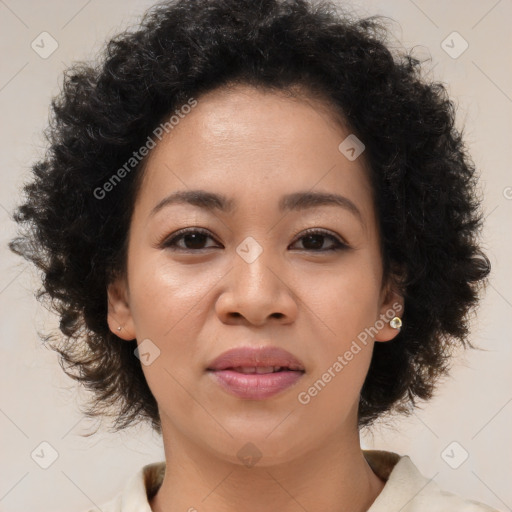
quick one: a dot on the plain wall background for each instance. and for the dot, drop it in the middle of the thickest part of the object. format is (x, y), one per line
(39, 403)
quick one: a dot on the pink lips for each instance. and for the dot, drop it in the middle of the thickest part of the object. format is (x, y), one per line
(256, 373)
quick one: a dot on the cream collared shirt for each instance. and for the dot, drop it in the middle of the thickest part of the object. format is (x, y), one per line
(406, 489)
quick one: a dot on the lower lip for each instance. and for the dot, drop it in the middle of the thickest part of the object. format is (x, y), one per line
(256, 386)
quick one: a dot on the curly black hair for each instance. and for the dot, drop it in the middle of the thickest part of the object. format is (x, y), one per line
(424, 182)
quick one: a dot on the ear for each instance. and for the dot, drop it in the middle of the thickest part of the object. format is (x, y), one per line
(391, 305)
(119, 313)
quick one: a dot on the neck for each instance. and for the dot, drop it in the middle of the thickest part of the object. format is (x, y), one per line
(330, 476)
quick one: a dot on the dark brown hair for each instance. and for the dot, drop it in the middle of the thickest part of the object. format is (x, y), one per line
(423, 180)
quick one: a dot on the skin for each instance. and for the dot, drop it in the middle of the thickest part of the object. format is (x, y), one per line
(255, 146)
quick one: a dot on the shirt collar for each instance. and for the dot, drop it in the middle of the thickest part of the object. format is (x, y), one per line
(406, 489)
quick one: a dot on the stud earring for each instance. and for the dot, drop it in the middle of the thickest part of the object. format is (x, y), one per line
(119, 328)
(396, 322)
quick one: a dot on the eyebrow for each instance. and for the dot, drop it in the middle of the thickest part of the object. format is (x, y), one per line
(296, 201)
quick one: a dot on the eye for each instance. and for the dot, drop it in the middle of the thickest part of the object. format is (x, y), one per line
(193, 238)
(314, 238)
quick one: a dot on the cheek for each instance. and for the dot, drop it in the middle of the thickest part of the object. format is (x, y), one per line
(344, 304)
(344, 300)
(347, 306)
(167, 309)
(166, 298)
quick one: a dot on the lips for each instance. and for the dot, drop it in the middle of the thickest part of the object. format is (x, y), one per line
(258, 369)
(254, 373)
(256, 360)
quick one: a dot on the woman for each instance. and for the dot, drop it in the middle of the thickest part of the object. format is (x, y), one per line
(260, 230)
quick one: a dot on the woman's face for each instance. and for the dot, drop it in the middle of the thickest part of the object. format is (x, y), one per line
(254, 277)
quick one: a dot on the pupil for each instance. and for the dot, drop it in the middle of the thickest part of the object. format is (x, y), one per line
(197, 240)
(317, 238)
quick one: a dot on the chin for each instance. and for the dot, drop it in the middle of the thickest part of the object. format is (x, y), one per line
(259, 449)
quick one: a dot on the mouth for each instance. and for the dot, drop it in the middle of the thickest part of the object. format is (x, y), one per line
(256, 360)
(256, 373)
(248, 370)
(261, 384)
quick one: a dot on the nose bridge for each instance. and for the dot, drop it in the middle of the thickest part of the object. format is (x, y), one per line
(254, 268)
(256, 290)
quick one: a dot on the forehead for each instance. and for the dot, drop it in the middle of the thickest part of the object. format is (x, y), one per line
(253, 144)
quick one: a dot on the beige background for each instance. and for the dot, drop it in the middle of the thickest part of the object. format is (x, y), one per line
(38, 402)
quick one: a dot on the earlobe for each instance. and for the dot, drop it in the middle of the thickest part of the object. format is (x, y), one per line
(119, 314)
(390, 318)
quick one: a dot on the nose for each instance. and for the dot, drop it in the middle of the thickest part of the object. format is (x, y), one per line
(256, 292)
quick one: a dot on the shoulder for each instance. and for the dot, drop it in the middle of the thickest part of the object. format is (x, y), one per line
(135, 495)
(407, 490)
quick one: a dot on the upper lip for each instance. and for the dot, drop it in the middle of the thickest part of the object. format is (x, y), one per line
(249, 357)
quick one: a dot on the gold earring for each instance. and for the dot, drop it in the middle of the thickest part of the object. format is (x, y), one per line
(396, 322)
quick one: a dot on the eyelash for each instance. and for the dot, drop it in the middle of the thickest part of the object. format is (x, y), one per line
(171, 241)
